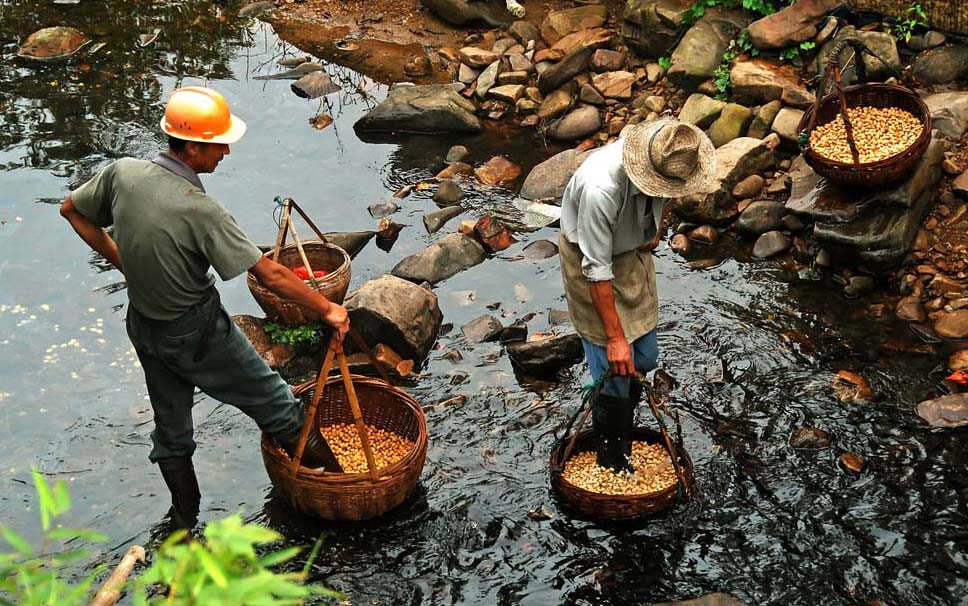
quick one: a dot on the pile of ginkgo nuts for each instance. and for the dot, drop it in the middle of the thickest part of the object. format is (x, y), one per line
(879, 133)
(344, 440)
(653, 472)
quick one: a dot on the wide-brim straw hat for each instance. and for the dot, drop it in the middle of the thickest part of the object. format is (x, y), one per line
(670, 159)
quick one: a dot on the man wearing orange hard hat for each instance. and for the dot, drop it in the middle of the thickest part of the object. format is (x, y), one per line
(167, 234)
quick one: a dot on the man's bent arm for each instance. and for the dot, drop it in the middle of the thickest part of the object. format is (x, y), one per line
(282, 282)
(617, 348)
(95, 236)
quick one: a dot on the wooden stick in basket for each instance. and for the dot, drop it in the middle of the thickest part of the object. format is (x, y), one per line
(302, 253)
(314, 403)
(357, 414)
(283, 228)
(111, 590)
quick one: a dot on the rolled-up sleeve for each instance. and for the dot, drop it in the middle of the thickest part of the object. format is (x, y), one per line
(597, 214)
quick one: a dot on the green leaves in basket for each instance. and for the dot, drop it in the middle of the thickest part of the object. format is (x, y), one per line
(307, 334)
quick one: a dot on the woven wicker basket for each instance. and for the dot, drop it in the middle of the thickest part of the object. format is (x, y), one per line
(333, 286)
(871, 174)
(354, 496)
(618, 507)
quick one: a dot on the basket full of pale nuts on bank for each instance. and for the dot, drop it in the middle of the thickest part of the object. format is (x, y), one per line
(866, 135)
(662, 473)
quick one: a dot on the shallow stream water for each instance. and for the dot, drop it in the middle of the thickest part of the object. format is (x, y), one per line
(753, 350)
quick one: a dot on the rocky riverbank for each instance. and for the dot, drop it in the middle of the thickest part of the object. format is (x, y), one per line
(580, 75)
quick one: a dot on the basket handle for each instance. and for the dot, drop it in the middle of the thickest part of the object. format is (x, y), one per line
(313, 404)
(833, 65)
(302, 253)
(286, 206)
(654, 404)
(357, 413)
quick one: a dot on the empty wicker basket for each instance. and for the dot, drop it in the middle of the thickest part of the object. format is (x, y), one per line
(354, 496)
(333, 286)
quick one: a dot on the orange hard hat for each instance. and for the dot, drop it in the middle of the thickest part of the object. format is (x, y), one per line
(196, 113)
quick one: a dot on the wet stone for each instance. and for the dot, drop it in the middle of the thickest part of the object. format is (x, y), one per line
(487, 79)
(546, 356)
(953, 325)
(910, 309)
(477, 57)
(710, 599)
(958, 360)
(748, 187)
(858, 286)
(540, 249)
(398, 313)
(604, 60)
(520, 63)
(512, 78)
(498, 171)
(445, 258)
(454, 169)
(448, 193)
(417, 66)
(946, 411)
(760, 217)
(524, 31)
(564, 70)
(809, 438)
(556, 103)
(706, 234)
(588, 94)
(52, 44)
(509, 93)
(680, 244)
(493, 234)
(701, 110)
(771, 244)
(483, 328)
(575, 125)
(435, 220)
(852, 463)
(456, 154)
(467, 74)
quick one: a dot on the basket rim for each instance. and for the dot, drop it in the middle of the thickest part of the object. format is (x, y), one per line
(332, 276)
(558, 475)
(924, 118)
(386, 473)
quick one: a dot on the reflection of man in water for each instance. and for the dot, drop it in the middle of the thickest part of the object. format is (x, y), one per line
(167, 234)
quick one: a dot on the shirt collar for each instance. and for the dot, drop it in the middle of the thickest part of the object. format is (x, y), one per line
(170, 162)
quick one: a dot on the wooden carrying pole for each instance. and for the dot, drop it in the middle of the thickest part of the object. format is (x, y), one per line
(335, 351)
(111, 590)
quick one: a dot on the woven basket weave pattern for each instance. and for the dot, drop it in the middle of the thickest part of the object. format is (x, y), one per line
(333, 286)
(617, 507)
(346, 496)
(872, 174)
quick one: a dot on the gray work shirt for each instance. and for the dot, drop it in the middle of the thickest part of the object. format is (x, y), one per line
(604, 214)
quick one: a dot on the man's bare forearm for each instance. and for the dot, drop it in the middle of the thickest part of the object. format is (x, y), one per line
(283, 283)
(94, 235)
(603, 298)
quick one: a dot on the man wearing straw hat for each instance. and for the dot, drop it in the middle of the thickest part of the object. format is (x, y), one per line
(611, 219)
(167, 234)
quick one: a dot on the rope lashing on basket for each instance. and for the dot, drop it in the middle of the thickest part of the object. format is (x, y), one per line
(277, 212)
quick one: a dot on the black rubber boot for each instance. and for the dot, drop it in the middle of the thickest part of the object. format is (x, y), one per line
(179, 474)
(317, 453)
(612, 421)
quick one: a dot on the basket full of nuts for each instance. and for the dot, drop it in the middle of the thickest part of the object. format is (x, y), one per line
(378, 434)
(596, 492)
(662, 473)
(866, 135)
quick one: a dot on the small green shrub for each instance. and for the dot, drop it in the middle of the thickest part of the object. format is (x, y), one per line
(665, 63)
(307, 334)
(914, 17)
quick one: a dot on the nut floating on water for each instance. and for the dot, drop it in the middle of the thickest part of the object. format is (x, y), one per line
(344, 440)
(653, 472)
(878, 134)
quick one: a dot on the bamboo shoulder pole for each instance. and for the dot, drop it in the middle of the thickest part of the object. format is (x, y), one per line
(357, 414)
(111, 590)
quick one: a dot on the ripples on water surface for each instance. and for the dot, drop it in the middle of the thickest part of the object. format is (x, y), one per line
(771, 525)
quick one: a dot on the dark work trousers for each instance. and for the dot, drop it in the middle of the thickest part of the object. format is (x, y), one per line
(203, 348)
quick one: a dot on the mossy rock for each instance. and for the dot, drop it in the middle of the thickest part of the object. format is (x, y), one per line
(53, 44)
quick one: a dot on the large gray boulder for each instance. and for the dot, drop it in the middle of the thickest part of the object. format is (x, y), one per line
(736, 160)
(398, 313)
(701, 50)
(874, 230)
(794, 24)
(434, 108)
(949, 113)
(548, 179)
(448, 256)
(652, 27)
(941, 65)
(881, 43)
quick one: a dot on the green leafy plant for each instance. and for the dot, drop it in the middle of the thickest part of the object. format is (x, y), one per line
(914, 17)
(738, 46)
(789, 54)
(34, 576)
(665, 63)
(761, 7)
(225, 568)
(307, 334)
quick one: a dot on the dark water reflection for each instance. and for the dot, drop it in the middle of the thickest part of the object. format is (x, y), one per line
(754, 353)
